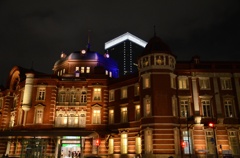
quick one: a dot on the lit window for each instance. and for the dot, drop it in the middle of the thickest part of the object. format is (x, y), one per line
(147, 107)
(106, 72)
(88, 70)
(63, 71)
(148, 146)
(124, 113)
(110, 74)
(210, 142)
(226, 84)
(188, 140)
(228, 107)
(82, 69)
(138, 145)
(233, 142)
(206, 108)
(111, 116)
(204, 83)
(136, 89)
(146, 81)
(184, 107)
(137, 112)
(124, 143)
(39, 114)
(41, 94)
(124, 92)
(111, 146)
(97, 94)
(111, 95)
(183, 83)
(72, 120)
(82, 119)
(96, 116)
(77, 73)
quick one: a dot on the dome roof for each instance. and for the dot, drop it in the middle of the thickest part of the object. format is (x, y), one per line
(77, 55)
(155, 44)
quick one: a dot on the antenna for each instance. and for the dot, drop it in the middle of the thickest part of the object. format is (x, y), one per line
(88, 44)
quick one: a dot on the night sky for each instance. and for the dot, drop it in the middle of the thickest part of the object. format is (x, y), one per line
(34, 33)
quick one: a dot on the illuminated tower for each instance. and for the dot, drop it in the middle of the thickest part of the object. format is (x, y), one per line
(125, 49)
(156, 71)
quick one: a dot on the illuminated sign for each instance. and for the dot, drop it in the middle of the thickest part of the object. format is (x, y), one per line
(126, 36)
(71, 137)
(71, 145)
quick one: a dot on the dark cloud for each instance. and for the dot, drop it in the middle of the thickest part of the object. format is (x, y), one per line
(37, 31)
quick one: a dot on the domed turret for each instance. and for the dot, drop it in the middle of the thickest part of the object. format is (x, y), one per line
(156, 55)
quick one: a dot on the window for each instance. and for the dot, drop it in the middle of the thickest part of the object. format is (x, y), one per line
(226, 84)
(124, 143)
(111, 95)
(184, 107)
(72, 97)
(210, 142)
(206, 108)
(148, 141)
(136, 89)
(39, 114)
(138, 145)
(183, 83)
(83, 98)
(174, 106)
(124, 113)
(61, 97)
(41, 94)
(228, 107)
(173, 81)
(1, 103)
(97, 94)
(12, 120)
(72, 119)
(87, 69)
(106, 72)
(187, 139)
(96, 116)
(146, 82)
(82, 119)
(111, 116)
(77, 73)
(137, 112)
(233, 140)
(204, 83)
(147, 107)
(110, 74)
(82, 70)
(124, 92)
(111, 146)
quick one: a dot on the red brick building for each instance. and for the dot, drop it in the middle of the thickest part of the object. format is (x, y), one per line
(83, 109)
